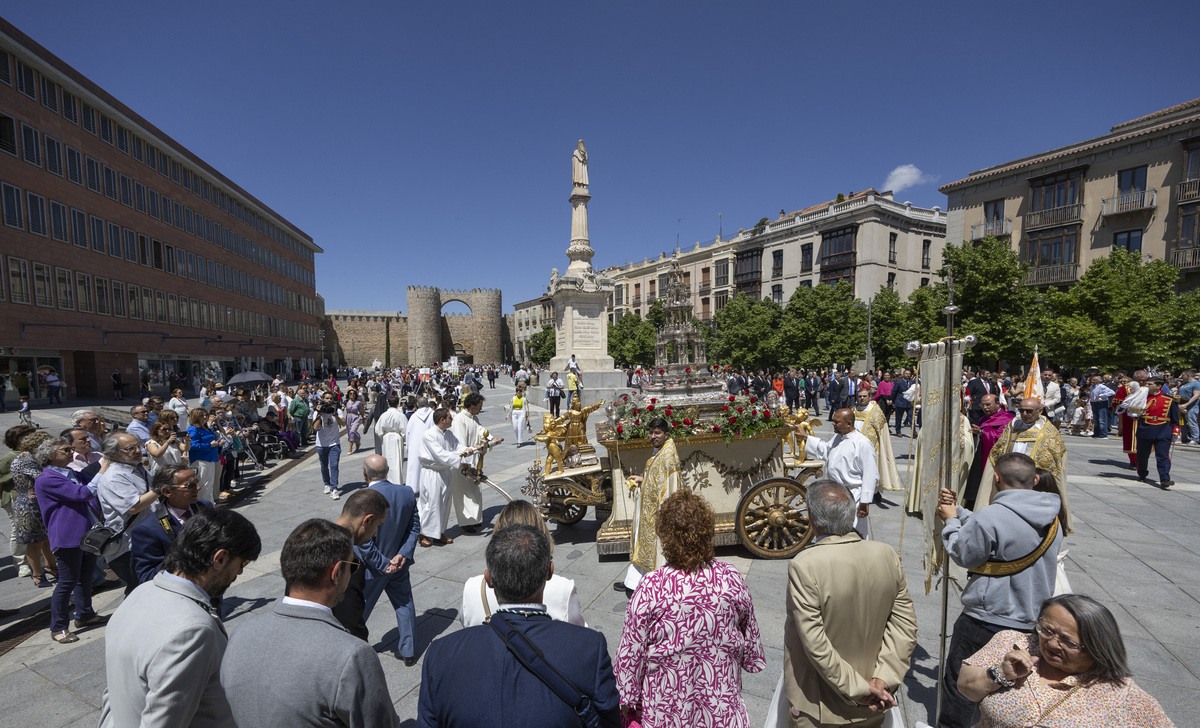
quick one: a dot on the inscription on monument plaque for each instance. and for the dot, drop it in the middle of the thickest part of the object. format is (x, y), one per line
(585, 322)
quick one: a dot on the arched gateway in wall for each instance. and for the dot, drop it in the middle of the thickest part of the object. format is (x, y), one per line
(433, 337)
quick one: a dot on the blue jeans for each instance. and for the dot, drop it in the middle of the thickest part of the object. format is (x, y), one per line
(74, 584)
(1100, 419)
(1192, 425)
(570, 393)
(399, 591)
(330, 456)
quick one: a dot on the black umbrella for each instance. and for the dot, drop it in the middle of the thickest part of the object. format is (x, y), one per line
(250, 378)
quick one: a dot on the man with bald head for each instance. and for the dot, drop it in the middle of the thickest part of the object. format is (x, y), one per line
(388, 556)
(1032, 434)
(849, 461)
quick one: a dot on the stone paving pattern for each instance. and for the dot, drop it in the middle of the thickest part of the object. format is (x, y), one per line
(1135, 549)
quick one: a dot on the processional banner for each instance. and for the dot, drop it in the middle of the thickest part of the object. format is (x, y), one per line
(941, 396)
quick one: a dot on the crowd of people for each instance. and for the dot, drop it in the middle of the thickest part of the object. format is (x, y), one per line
(1022, 653)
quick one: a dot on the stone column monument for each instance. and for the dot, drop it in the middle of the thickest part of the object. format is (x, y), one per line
(581, 300)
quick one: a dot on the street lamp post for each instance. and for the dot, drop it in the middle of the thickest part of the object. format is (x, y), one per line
(321, 338)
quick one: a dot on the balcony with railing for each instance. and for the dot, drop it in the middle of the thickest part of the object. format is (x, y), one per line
(1186, 258)
(635, 301)
(705, 288)
(1045, 275)
(1134, 201)
(838, 260)
(777, 272)
(1188, 191)
(1054, 216)
(650, 298)
(994, 228)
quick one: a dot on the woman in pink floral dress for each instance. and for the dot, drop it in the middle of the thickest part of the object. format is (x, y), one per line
(689, 630)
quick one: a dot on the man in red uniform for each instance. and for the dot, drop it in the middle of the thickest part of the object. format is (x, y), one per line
(1133, 408)
(1154, 433)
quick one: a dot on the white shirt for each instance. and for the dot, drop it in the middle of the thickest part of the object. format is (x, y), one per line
(305, 603)
(562, 601)
(849, 460)
(327, 428)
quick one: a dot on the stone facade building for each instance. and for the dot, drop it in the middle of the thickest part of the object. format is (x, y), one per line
(1135, 188)
(527, 318)
(424, 335)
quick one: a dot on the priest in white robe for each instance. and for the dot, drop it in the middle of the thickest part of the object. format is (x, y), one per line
(418, 422)
(389, 433)
(871, 422)
(468, 501)
(441, 454)
(850, 461)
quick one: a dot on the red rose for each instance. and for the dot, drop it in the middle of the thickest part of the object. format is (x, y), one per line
(675, 424)
(649, 408)
(662, 371)
(635, 410)
(637, 422)
(732, 420)
(653, 400)
(753, 400)
(687, 421)
(767, 414)
(731, 398)
(724, 408)
(739, 409)
(687, 370)
(620, 429)
(716, 428)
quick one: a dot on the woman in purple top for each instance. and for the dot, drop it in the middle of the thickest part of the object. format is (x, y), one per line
(66, 503)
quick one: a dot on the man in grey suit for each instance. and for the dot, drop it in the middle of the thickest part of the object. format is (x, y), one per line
(164, 644)
(296, 665)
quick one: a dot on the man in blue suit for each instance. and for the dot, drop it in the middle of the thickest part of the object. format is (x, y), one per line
(387, 557)
(150, 539)
(471, 678)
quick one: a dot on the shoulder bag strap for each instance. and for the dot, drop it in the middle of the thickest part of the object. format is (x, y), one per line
(532, 659)
(487, 611)
(1008, 568)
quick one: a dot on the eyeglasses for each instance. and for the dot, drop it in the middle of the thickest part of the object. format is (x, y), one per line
(130, 448)
(190, 485)
(1026, 411)
(246, 562)
(1066, 644)
(353, 565)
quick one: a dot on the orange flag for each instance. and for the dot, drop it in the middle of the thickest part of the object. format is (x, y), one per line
(1033, 382)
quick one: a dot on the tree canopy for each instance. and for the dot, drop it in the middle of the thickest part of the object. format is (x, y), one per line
(543, 345)
(631, 340)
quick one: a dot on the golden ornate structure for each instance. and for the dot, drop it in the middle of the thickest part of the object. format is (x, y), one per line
(553, 435)
(577, 418)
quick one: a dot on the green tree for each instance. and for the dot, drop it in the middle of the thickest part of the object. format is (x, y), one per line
(888, 332)
(543, 345)
(1123, 312)
(631, 341)
(761, 225)
(745, 333)
(820, 326)
(655, 315)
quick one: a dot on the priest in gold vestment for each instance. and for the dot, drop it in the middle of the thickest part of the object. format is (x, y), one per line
(1030, 433)
(871, 422)
(661, 479)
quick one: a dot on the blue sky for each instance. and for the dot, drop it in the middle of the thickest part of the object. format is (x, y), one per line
(429, 143)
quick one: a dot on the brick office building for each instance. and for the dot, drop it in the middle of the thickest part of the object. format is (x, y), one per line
(120, 249)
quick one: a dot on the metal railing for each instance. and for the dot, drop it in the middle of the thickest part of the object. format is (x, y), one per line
(1054, 216)
(777, 272)
(635, 301)
(1129, 202)
(1045, 275)
(840, 260)
(1188, 191)
(705, 289)
(837, 208)
(995, 228)
(1186, 258)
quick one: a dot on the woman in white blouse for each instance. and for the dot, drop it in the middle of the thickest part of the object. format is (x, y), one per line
(179, 404)
(562, 602)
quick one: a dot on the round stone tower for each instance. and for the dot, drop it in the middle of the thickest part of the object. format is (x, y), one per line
(487, 310)
(424, 325)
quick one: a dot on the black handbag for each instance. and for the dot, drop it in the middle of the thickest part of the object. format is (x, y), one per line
(101, 540)
(529, 655)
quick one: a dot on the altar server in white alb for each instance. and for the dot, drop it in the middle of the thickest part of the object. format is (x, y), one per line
(441, 453)
(850, 461)
(468, 501)
(389, 433)
(414, 436)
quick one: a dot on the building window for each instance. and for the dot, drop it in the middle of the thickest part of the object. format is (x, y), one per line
(1130, 240)
(1130, 181)
(1058, 190)
(13, 217)
(53, 156)
(58, 222)
(130, 246)
(89, 119)
(126, 191)
(181, 262)
(891, 281)
(925, 246)
(838, 248)
(806, 283)
(49, 94)
(93, 174)
(749, 267)
(31, 144)
(722, 298)
(122, 139)
(66, 288)
(37, 213)
(139, 196)
(185, 311)
(118, 298)
(143, 250)
(892, 237)
(152, 204)
(102, 306)
(83, 292)
(722, 273)
(160, 307)
(157, 259)
(776, 263)
(173, 308)
(43, 293)
(924, 282)
(79, 228)
(191, 266)
(25, 80)
(74, 166)
(18, 280)
(1052, 246)
(106, 129)
(70, 110)
(110, 182)
(993, 211)
(5, 68)
(1189, 226)
(777, 294)
(8, 134)
(114, 240)
(97, 226)
(169, 258)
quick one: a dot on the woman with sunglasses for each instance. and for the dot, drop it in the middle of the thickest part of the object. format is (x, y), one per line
(1071, 671)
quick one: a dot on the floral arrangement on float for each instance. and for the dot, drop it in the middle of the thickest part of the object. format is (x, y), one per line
(738, 417)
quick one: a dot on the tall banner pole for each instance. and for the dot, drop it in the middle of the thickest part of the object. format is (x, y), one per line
(950, 414)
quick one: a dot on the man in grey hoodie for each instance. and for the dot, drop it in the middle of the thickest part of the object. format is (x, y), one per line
(1010, 549)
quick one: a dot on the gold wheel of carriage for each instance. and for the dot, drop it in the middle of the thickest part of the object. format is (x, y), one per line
(772, 519)
(560, 511)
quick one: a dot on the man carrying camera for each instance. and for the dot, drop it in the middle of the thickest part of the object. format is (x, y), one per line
(327, 421)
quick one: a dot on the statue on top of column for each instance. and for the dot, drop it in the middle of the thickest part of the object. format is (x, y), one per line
(579, 162)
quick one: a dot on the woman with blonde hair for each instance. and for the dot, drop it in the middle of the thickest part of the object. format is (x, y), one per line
(28, 527)
(562, 601)
(517, 412)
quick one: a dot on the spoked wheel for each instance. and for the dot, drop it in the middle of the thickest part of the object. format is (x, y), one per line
(559, 511)
(772, 520)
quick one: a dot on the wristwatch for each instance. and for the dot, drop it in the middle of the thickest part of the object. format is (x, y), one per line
(998, 678)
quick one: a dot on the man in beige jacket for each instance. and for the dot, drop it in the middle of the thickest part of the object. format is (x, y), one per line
(851, 628)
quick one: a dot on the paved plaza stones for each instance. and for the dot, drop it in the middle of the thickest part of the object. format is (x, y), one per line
(1136, 548)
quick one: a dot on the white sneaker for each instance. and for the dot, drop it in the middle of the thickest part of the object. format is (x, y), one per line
(334, 494)
(327, 489)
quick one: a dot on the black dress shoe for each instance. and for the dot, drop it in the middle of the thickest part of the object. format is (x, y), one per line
(471, 529)
(1167, 484)
(409, 661)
